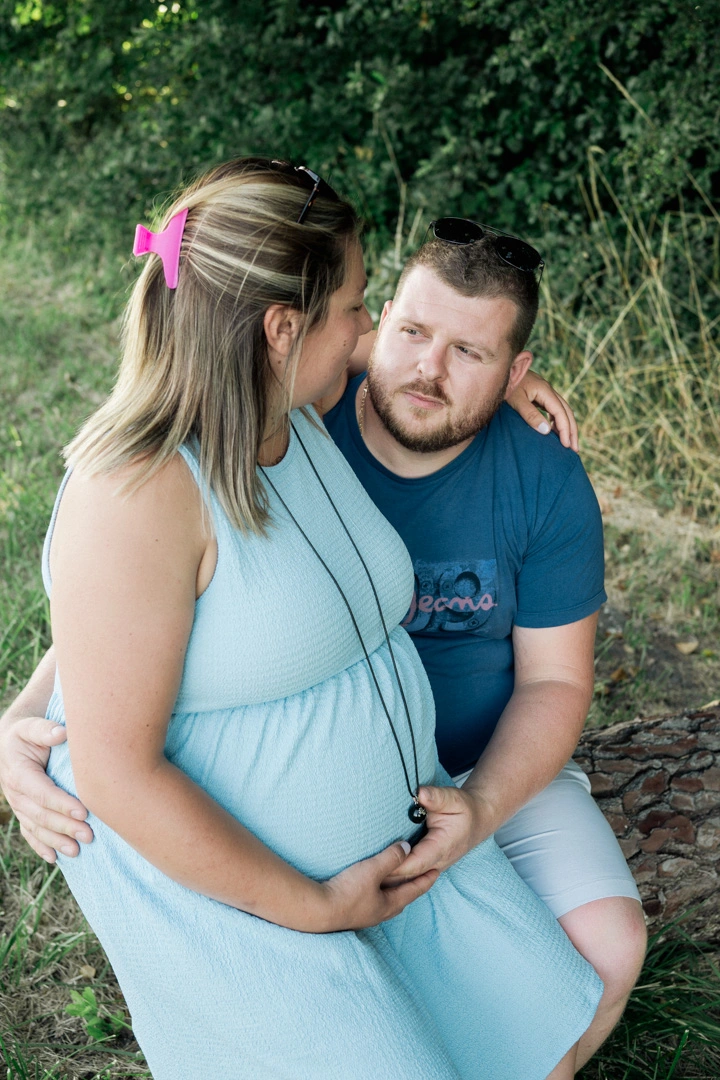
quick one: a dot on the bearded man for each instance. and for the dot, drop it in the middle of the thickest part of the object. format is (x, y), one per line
(505, 535)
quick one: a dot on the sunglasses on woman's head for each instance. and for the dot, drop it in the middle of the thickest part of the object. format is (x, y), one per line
(311, 180)
(512, 250)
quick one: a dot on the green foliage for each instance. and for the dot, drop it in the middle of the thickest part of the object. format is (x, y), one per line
(481, 107)
(99, 1023)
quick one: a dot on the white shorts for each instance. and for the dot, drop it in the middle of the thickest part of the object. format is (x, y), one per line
(563, 848)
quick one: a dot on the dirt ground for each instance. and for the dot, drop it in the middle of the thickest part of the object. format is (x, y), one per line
(658, 642)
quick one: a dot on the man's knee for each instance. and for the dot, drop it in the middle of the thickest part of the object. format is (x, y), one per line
(611, 935)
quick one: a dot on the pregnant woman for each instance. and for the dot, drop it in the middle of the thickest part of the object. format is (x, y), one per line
(247, 722)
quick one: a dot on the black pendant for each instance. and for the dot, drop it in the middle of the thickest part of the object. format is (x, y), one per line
(417, 813)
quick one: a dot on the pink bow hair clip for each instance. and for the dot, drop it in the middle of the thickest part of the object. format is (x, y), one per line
(166, 244)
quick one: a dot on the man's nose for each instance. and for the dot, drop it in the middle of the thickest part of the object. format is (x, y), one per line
(431, 363)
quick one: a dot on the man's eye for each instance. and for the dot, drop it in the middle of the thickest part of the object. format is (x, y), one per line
(412, 331)
(467, 352)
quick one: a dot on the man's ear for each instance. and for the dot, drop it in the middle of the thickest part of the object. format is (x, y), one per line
(518, 370)
(282, 325)
(385, 312)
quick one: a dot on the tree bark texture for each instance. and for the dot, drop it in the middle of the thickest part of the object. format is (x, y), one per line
(657, 781)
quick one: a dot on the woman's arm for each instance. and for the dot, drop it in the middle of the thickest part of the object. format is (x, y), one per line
(125, 578)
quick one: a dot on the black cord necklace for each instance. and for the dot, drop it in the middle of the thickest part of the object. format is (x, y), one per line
(416, 812)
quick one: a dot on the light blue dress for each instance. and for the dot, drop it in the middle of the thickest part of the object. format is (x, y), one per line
(278, 719)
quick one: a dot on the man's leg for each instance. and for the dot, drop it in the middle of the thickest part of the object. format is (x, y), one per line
(563, 847)
(611, 935)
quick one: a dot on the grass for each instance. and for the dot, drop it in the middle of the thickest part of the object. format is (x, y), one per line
(663, 584)
(629, 333)
(47, 953)
(56, 364)
(628, 330)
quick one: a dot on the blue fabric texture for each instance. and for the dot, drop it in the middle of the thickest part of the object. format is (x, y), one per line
(278, 719)
(509, 533)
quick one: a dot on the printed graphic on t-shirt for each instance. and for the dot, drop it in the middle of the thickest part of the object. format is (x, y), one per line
(452, 596)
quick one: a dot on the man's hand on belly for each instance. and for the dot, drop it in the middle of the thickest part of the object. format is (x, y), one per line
(49, 817)
(456, 822)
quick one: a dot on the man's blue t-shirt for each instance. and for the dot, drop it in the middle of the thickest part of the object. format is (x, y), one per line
(509, 533)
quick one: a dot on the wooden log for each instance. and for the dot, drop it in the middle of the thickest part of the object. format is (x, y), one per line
(657, 780)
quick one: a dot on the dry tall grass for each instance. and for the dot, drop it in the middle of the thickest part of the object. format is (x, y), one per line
(633, 344)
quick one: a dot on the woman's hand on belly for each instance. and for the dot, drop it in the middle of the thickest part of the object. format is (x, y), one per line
(361, 896)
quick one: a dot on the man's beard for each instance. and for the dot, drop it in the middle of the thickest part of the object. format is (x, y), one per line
(456, 429)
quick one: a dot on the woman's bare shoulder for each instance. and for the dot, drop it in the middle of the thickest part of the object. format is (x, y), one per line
(132, 488)
(102, 510)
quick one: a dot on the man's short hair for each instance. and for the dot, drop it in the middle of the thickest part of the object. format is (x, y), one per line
(477, 270)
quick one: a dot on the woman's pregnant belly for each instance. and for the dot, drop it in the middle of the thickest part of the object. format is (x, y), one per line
(316, 776)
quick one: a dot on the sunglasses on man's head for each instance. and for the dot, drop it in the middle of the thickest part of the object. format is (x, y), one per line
(512, 250)
(312, 181)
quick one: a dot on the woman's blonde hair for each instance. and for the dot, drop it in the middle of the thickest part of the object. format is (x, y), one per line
(194, 361)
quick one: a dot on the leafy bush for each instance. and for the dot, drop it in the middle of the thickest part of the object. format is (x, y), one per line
(480, 107)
